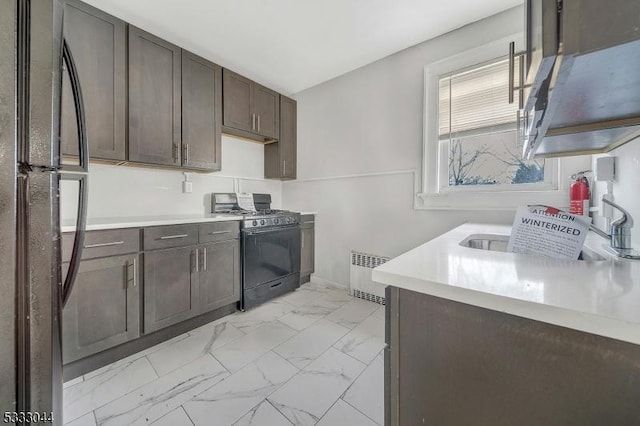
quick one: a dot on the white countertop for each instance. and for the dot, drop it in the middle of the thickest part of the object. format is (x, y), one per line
(95, 224)
(602, 297)
(304, 213)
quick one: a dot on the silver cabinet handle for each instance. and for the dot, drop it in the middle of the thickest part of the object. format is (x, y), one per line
(176, 153)
(171, 237)
(185, 153)
(204, 259)
(114, 243)
(253, 121)
(512, 74)
(518, 118)
(219, 232)
(512, 65)
(302, 244)
(135, 273)
(258, 123)
(197, 255)
(521, 85)
(284, 167)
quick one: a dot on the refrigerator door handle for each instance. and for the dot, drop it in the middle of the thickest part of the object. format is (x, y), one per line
(78, 173)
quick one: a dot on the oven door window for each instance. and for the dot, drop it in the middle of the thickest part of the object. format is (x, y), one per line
(269, 255)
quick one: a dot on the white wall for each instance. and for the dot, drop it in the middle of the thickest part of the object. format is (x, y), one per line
(124, 191)
(355, 129)
(626, 185)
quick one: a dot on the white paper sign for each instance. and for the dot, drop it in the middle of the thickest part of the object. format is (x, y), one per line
(245, 201)
(548, 231)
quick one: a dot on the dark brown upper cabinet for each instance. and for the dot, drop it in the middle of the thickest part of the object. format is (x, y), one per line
(237, 111)
(266, 107)
(249, 109)
(98, 43)
(201, 113)
(155, 83)
(280, 157)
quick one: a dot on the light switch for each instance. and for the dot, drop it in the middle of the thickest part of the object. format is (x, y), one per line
(187, 187)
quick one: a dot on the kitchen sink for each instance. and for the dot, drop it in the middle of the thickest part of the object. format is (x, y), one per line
(496, 242)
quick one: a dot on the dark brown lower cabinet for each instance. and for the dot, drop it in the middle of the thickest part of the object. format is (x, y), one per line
(219, 275)
(170, 287)
(449, 364)
(104, 307)
(307, 244)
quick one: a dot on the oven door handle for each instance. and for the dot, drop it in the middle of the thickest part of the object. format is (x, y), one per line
(267, 231)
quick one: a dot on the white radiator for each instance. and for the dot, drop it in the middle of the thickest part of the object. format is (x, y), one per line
(360, 283)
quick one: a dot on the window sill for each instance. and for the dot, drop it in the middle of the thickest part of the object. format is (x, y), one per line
(490, 200)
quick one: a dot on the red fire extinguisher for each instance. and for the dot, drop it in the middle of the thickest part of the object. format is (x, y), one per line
(579, 194)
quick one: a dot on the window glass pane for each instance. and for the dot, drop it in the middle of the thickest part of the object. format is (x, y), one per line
(490, 159)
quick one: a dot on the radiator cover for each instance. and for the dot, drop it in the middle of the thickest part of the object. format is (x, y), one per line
(360, 283)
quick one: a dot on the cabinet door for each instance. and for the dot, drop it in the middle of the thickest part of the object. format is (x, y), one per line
(288, 137)
(280, 157)
(170, 287)
(266, 107)
(237, 110)
(104, 307)
(98, 43)
(307, 254)
(219, 275)
(154, 99)
(201, 113)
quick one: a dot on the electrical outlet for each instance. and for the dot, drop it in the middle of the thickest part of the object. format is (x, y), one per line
(187, 187)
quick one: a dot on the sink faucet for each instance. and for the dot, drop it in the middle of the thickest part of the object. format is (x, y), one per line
(620, 236)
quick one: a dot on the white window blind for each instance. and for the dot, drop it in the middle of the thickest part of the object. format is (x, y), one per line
(475, 101)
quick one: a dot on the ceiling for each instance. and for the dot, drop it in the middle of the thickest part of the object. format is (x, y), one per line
(290, 45)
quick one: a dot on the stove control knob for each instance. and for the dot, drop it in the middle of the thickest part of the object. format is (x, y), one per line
(262, 222)
(276, 221)
(289, 220)
(254, 223)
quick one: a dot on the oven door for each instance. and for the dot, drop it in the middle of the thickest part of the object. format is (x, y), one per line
(270, 254)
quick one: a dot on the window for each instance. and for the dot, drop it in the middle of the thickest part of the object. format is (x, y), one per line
(471, 157)
(477, 129)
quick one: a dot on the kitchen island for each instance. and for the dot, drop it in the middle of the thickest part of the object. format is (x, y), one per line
(479, 337)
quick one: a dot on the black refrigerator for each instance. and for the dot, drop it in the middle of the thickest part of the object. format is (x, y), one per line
(32, 57)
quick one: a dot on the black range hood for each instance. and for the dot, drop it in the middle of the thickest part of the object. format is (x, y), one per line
(590, 102)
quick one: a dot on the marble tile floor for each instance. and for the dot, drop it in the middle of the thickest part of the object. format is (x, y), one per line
(311, 357)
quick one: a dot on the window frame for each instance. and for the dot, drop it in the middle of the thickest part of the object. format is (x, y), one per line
(436, 192)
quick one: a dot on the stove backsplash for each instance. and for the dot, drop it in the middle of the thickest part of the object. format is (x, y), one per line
(123, 191)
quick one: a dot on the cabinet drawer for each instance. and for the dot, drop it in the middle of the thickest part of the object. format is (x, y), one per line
(159, 237)
(219, 231)
(110, 242)
(307, 221)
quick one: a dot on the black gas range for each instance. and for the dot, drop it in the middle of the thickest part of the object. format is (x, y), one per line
(270, 246)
